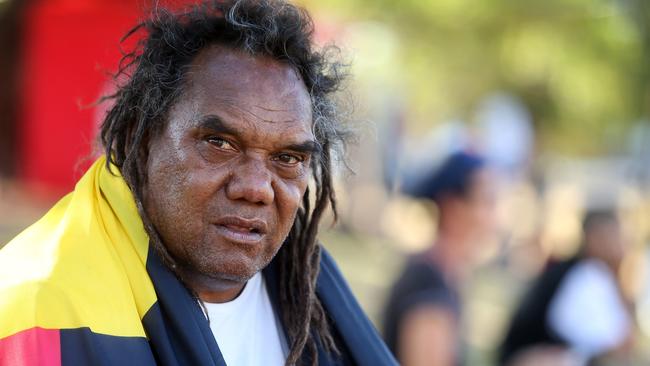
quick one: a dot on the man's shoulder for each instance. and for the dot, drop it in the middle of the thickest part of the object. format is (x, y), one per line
(49, 302)
(327, 262)
(27, 277)
(356, 330)
(27, 303)
(43, 285)
(331, 279)
(41, 318)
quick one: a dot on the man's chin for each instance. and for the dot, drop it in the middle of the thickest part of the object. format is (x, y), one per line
(231, 272)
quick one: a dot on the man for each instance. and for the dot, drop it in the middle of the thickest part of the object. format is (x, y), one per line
(194, 241)
(574, 312)
(423, 313)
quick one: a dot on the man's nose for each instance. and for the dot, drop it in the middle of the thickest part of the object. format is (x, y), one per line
(251, 181)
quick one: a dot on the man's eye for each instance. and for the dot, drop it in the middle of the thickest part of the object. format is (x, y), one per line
(290, 159)
(221, 143)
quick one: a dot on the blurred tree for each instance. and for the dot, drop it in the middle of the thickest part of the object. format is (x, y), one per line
(579, 65)
(639, 11)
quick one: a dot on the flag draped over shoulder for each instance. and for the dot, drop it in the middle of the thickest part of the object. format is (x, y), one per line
(82, 286)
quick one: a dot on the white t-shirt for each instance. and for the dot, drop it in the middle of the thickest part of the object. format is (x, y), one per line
(246, 328)
(588, 310)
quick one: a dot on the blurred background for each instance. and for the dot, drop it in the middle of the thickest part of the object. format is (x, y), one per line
(555, 94)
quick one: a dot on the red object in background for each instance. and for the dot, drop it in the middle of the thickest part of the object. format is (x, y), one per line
(70, 47)
(70, 50)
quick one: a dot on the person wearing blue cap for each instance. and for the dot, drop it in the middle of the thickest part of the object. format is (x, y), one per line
(422, 316)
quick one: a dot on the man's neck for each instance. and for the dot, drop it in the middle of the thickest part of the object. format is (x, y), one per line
(211, 296)
(450, 254)
(212, 290)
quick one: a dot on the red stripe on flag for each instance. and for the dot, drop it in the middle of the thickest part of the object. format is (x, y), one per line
(31, 347)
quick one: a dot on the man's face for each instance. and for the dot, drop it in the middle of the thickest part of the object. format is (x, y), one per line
(474, 212)
(481, 204)
(228, 173)
(605, 240)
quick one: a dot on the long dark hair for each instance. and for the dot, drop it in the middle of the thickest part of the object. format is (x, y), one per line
(151, 79)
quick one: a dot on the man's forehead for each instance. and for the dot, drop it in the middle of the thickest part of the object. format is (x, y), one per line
(234, 70)
(244, 90)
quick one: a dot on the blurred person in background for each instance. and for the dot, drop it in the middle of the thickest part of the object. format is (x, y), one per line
(423, 314)
(574, 312)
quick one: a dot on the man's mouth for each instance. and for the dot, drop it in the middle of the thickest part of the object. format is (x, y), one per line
(241, 230)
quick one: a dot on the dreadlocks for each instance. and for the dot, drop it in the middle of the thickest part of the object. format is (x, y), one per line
(152, 80)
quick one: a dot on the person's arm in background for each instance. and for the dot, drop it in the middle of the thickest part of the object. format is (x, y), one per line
(428, 336)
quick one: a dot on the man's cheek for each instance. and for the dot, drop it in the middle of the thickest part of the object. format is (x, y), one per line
(294, 194)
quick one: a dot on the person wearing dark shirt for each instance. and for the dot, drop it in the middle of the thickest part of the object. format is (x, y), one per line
(423, 312)
(574, 311)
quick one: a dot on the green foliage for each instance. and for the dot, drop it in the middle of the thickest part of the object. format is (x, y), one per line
(581, 66)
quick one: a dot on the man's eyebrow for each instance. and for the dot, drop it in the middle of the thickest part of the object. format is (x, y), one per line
(307, 147)
(216, 124)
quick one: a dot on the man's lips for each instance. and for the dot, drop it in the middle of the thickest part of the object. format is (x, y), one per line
(241, 230)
